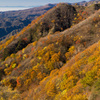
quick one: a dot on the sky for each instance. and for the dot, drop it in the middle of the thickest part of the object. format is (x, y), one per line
(33, 2)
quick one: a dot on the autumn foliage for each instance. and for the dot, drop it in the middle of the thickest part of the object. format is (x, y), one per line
(59, 66)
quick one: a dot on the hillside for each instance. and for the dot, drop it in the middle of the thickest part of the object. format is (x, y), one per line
(56, 57)
(12, 22)
(78, 79)
(49, 23)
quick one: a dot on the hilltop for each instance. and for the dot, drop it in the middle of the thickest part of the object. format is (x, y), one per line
(56, 57)
(12, 22)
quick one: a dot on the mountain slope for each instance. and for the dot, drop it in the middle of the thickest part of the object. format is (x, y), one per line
(79, 79)
(46, 67)
(49, 23)
(46, 24)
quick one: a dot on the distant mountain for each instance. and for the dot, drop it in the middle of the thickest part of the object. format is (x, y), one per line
(79, 3)
(84, 3)
(12, 22)
(94, 0)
